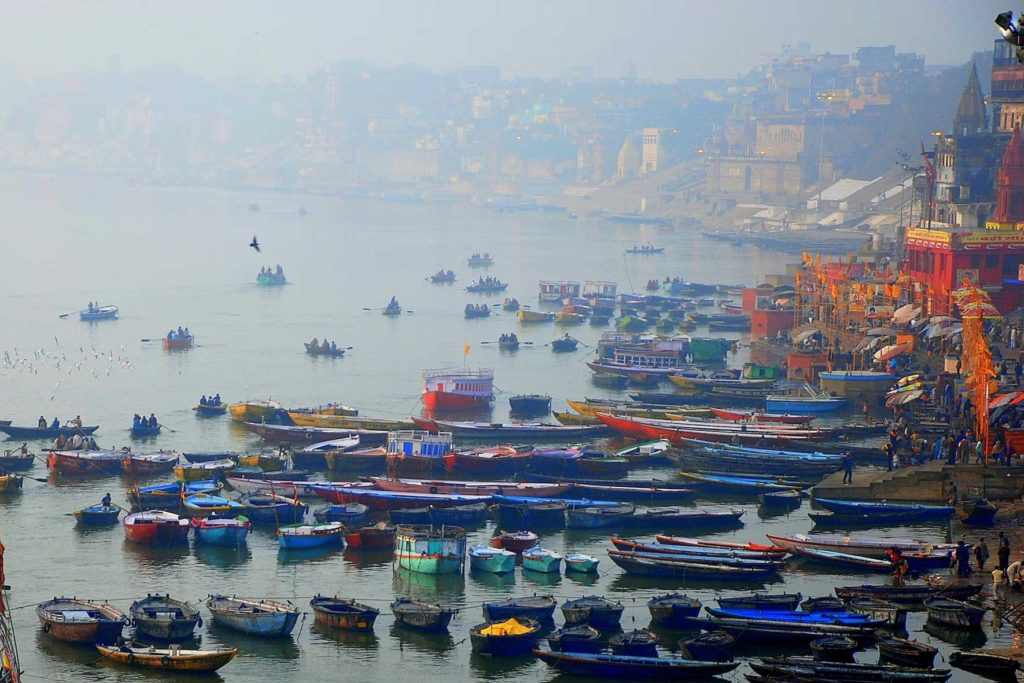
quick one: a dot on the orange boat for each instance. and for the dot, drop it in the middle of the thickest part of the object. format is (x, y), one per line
(85, 463)
(179, 343)
(457, 389)
(156, 527)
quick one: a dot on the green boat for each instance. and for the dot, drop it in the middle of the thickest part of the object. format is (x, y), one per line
(431, 550)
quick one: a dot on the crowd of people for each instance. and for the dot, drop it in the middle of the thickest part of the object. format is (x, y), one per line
(444, 276)
(213, 400)
(180, 333)
(316, 344)
(75, 442)
(141, 422)
(477, 310)
(508, 338)
(277, 272)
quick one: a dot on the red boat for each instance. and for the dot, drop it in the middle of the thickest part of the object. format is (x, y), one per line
(457, 389)
(755, 416)
(472, 488)
(149, 463)
(156, 527)
(372, 537)
(702, 543)
(491, 461)
(515, 542)
(650, 429)
(179, 343)
(85, 463)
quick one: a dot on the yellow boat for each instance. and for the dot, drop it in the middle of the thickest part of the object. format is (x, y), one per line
(254, 411)
(584, 408)
(266, 462)
(526, 316)
(568, 418)
(171, 659)
(564, 318)
(203, 470)
(684, 382)
(349, 422)
(10, 483)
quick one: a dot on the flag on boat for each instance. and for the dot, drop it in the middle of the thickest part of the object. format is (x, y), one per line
(465, 350)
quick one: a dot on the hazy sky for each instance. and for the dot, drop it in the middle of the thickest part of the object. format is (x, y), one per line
(666, 39)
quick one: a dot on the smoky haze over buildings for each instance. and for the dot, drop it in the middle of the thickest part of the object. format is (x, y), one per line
(657, 40)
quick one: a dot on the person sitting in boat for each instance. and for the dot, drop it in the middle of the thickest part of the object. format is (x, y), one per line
(89, 307)
(513, 338)
(187, 333)
(181, 332)
(42, 422)
(152, 421)
(89, 444)
(77, 422)
(202, 401)
(762, 441)
(279, 271)
(136, 421)
(60, 442)
(216, 400)
(170, 335)
(76, 442)
(55, 424)
(106, 502)
(24, 449)
(334, 347)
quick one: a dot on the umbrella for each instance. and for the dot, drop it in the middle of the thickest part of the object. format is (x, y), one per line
(1003, 399)
(1016, 401)
(881, 332)
(891, 351)
(902, 398)
(805, 335)
(905, 314)
(941, 319)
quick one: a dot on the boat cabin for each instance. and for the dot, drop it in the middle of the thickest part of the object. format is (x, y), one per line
(416, 442)
(556, 290)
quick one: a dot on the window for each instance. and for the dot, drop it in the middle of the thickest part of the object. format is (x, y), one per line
(976, 261)
(991, 260)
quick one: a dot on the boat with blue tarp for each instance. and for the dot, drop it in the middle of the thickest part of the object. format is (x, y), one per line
(909, 510)
(97, 515)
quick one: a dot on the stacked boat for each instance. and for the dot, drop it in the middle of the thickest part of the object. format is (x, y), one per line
(856, 512)
(702, 560)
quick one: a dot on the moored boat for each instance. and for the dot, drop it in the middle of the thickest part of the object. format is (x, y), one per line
(85, 463)
(431, 550)
(540, 559)
(762, 601)
(343, 614)
(579, 562)
(81, 621)
(594, 610)
(495, 560)
(907, 511)
(986, 664)
(16, 432)
(421, 615)
(203, 470)
(834, 648)
(274, 509)
(170, 659)
(713, 646)
(788, 668)
(903, 652)
(352, 515)
(294, 536)
(537, 607)
(156, 527)
(511, 636)
(375, 537)
(514, 541)
(580, 638)
(530, 404)
(207, 504)
(979, 512)
(164, 618)
(254, 616)
(97, 515)
(599, 517)
(221, 531)
(955, 613)
(457, 389)
(673, 609)
(909, 594)
(626, 667)
(149, 463)
(637, 643)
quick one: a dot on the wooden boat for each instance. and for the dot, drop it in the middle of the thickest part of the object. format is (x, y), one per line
(756, 416)
(494, 560)
(762, 601)
(359, 460)
(164, 618)
(156, 527)
(649, 492)
(903, 652)
(81, 621)
(512, 636)
(203, 470)
(642, 564)
(271, 279)
(373, 537)
(480, 260)
(221, 531)
(866, 546)
(825, 603)
(629, 668)
(978, 512)
(485, 287)
(10, 483)
(730, 545)
(178, 343)
(421, 615)
(730, 484)
(781, 499)
(601, 465)
(516, 541)
(344, 614)
(98, 313)
(539, 608)
(720, 558)
(688, 551)
(294, 536)
(254, 411)
(713, 646)
(85, 463)
(526, 315)
(208, 410)
(564, 344)
(986, 664)
(567, 418)
(579, 562)
(206, 504)
(209, 456)
(512, 513)
(511, 305)
(431, 550)
(15, 460)
(909, 594)
(318, 350)
(97, 515)
(636, 643)
(471, 488)
(581, 638)
(530, 404)
(540, 559)
(494, 461)
(268, 462)
(894, 615)
(677, 432)
(143, 431)
(533, 432)
(275, 509)
(593, 610)
(597, 517)
(834, 649)
(149, 463)
(804, 399)
(473, 514)
(16, 432)
(253, 616)
(673, 609)
(907, 511)
(393, 308)
(391, 500)
(947, 612)
(645, 250)
(352, 515)
(442, 277)
(674, 519)
(169, 496)
(171, 659)
(839, 559)
(788, 668)
(477, 311)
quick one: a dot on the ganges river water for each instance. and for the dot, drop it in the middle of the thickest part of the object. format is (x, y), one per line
(170, 257)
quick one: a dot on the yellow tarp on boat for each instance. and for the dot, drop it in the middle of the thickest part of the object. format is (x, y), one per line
(506, 628)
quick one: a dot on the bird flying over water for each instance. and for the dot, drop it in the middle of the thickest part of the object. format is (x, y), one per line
(254, 244)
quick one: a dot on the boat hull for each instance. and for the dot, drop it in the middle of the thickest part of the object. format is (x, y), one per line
(193, 661)
(37, 433)
(628, 668)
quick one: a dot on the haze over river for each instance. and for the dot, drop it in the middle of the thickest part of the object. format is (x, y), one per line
(170, 257)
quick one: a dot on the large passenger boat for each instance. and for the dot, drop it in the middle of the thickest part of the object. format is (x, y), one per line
(457, 389)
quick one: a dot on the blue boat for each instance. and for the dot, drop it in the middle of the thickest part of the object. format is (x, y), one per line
(857, 508)
(510, 637)
(781, 499)
(96, 515)
(222, 531)
(978, 512)
(207, 505)
(594, 610)
(272, 509)
(763, 601)
(575, 639)
(569, 502)
(543, 514)
(816, 618)
(255, 617)
(673, 610)
(168, 496)
(139, 431)
(730, 484)
(310, 535)
(767, 564)
(352, 515)
(598, 517)
(631, 668)
(410, 516)
(48, 433)
(495, 560)
(536, 607)
(469, 515)
(554, 460)
(98, 313)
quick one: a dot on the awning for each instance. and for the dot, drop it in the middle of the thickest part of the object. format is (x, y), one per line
(805, 335)
(1004, 399)
(881, 332)
(891, 351)
(941, 319)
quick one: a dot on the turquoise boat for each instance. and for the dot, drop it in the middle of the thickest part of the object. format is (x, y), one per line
(222, 531)
(578, 562)
(206, 505)
(541, 559)
(310, 535)
(431, 550)
(495, 560)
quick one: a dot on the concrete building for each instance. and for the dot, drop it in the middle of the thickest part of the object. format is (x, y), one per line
(650, 149)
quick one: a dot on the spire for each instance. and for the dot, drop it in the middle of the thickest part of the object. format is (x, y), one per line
(970, 113)
(1010, 182)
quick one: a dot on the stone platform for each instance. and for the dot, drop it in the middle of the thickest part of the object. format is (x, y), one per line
(927, 483)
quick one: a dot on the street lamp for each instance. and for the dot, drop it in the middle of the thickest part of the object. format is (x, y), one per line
(827, 98)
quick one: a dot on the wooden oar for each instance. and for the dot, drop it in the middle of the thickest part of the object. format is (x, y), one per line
(64, 315)
(163, 426)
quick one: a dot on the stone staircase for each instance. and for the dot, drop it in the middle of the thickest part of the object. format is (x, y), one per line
(926, 483)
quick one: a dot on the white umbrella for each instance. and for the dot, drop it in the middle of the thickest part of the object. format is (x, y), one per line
(806, 334)
(941, 319)
(905, 314)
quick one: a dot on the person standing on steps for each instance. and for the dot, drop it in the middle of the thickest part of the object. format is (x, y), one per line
(847, 468)
(981, 554)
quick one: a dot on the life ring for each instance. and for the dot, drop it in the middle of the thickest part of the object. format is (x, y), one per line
(46, 628)
(307, 489)
(433, 489)
(131, 657)
(166, 660)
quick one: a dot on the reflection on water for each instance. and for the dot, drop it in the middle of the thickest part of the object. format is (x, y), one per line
(500, 582)
(491, 667)
(157, 557)
(583, 578)
(317, 555)
(429, 642)
(542, 578)
(252, 647)
(627, 582)
(349, 639)
(963, 638)
(439, 588)
(222, 557)
(364, 559)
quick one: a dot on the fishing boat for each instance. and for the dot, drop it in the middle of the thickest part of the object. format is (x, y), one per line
(530, 404)
(203, 470)
(253, 616)
(97, 515)
(532, 432)
(597, 517)
(295, 536)
(537, 607)
(211, 409)
(85, 463)
(487, 286)
(494, 560)
(142, 431)
(729, 484)
(431, 550)
(493, 461)
(514, 513)
(629, 668)
(170, 659)
(255, 411)
(713, 646)
(581, 638)
(839, 559)
(515, 541)
(894, 615)
(525, 315)
(540, 559)
(979, 512)
(593, 610)
(729, 545)
(97, 313)
(375, 537)
(512, 636)
(787, 668)
(659, 565)
(804, 399)
(909, 594)
(421, 615)
(675, 519)
(352, 515)
(457, 389)
(164, 618)
(692, 551)
(16, 432)
(637, 643)
(954, 613)
(781, 500)
(757, 416)
(909, 511)
(343, 614)
(866, 546)
(376, 499)
(329, 351)
(903, 652)
(11, 483)
(564, 344)
(15, 460)
(221, 531)
(81, 621)
(156, 527)
(149, 463)
(206, 505)
(579, 562)
(480, 260)
(673, 610)
(274, 509)
(834, 649)
(762, 601)
(178, 343)
(986, 664)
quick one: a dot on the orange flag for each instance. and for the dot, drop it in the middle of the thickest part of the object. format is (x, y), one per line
(465, 350)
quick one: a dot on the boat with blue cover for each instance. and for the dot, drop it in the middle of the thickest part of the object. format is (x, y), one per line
(579, 562)
(909, 510)
(829, 618)
(629, 668)
(206, 505)
(169, 496)
(673, 609)
(297, 536)
(221, 531)
(350, 514)
(268, 618)
(495, 560)
(272, 509)
(539, 514)
(730, 484)
(97, 515)
(595, 610)
(97, 313)
(537, 607)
